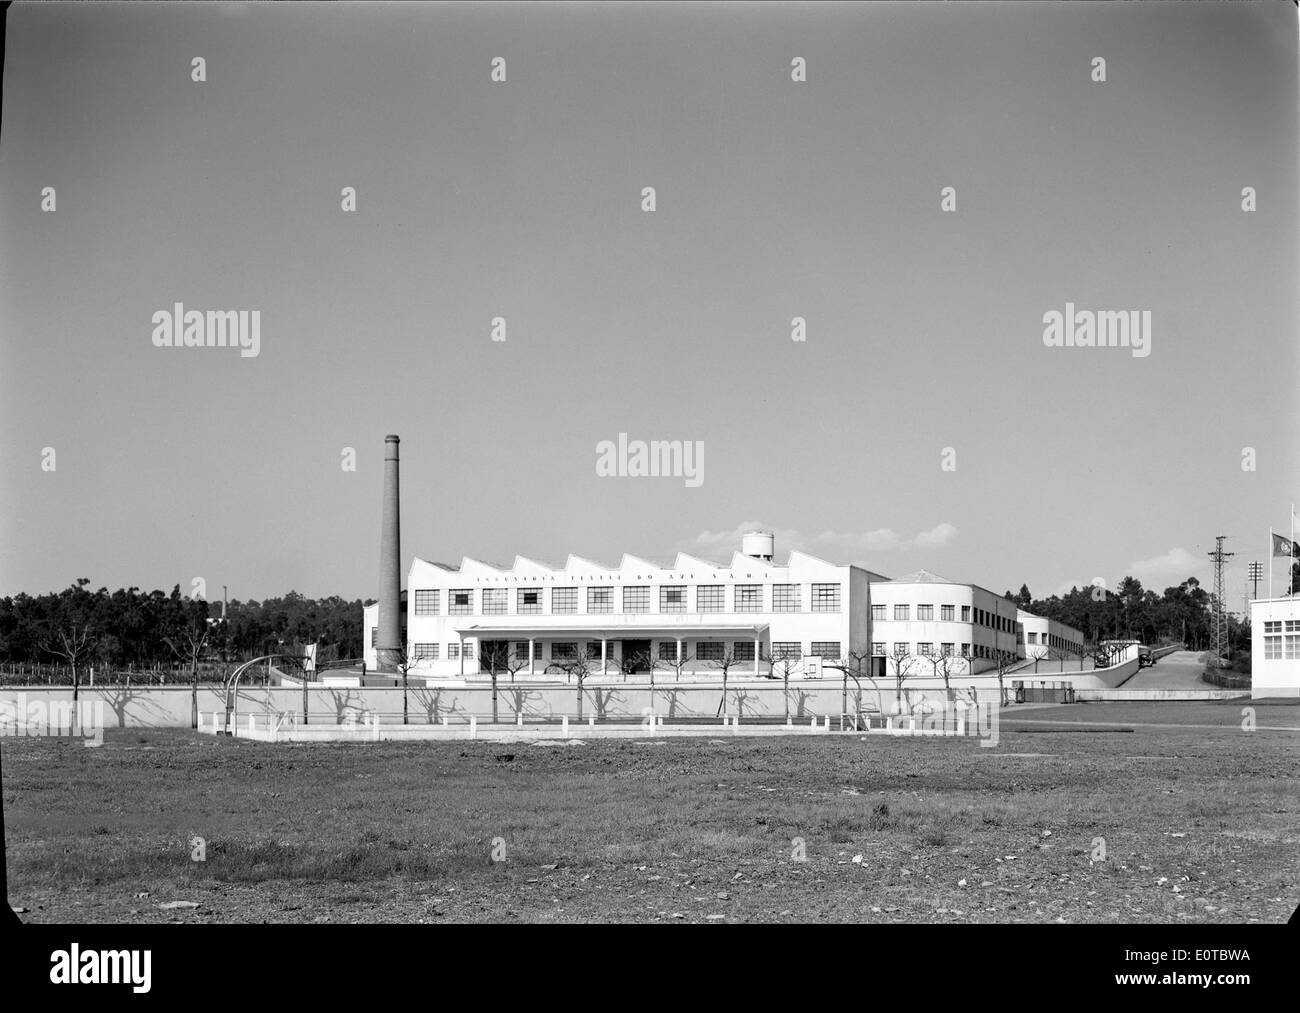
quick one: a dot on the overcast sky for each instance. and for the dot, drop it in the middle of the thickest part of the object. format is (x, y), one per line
(522, 200)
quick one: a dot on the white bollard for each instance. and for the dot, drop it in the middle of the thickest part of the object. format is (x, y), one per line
(651, 729)
(911, 726)
(591, 720)
(813, 724)
(444, 720)
(374, 725)
(564, 726)
(519, 719)
(661, 721)
(252, 722)
(889, 723)
(735, 725)
(473, 726)
(789, 721)
(828, 722)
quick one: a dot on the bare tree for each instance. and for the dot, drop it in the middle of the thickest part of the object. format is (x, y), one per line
(678, 663)
(189, 644)
(73, 640)
(401, 660)
(854, 666)
(577, 666)
(900, 663)
(1003, 662)
(725, 663)
(947, 664)
(783, 662)
(496, 657)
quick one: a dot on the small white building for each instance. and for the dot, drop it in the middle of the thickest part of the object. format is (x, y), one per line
(923, 616)
(1275, 647)
(1046, 639)
(629, 616)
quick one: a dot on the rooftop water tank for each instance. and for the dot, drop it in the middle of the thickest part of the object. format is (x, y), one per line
(759, 544)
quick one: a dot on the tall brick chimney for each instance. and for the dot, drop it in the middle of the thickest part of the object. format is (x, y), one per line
(388, 641)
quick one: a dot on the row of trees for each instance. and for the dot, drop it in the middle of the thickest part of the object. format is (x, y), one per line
(132, 627)
(1182, 614)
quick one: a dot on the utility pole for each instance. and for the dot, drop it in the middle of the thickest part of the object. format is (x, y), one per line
(1220, 633)
(1253, 573)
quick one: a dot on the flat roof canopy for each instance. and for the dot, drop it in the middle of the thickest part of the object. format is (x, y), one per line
(617, 633)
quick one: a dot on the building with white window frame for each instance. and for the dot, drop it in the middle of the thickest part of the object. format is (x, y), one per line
(747, 610)
(1275, 647)
(1044, 639)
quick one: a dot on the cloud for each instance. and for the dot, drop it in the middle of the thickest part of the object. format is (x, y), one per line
(1174, 567)
(831, 544)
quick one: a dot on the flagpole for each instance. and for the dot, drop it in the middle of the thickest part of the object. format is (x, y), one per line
(1270, 561)
(1290, 566)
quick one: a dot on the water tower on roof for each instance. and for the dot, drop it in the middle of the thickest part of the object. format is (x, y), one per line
(759, 545)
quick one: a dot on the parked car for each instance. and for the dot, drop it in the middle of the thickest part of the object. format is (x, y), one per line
(1146, 657)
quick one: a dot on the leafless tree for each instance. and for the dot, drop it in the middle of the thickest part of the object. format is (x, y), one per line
(725, 663)
(784, 663)
(189, 644)
(855, 665)
(900, 663)
(678, 664)
(73, 640)
(946, 665)
(577, 666)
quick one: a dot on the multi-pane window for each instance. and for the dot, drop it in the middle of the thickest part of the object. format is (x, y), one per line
(600, 599)
(672, 599)
(945, 613)
(521, 650)
(564, 650)
(1292, 644)
(636, 599)
(1273, 648)
(528, 602)
(924, 649)
(374, 636)
(467, 649)
(965, 613)
(785, 597)
(710, 598)
(460, 602)
(749, 597)
(946, 650)
(667, 650)
(564, 600)
(878, 648)
(878, 613)
(709, 650)
(901, 612)
(901, 649)
(1273, 626)
(826, 648)
(965, 650)
(1292, 626)
(593, 650)
(494, 601)
(743, 650)
(925, 612)
(424, 652)
(453, 652)
(786, 649)
(1033, 638)
(826, 597)
(426, 603)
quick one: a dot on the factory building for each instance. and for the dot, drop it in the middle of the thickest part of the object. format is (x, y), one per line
(1045, 639)
(536, 618)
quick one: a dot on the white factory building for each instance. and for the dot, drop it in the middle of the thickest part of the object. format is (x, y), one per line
(923, 616)
(1046, 639)
(746, 610)
(1275, 647)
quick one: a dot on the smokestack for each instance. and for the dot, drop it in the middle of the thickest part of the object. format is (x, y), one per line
(388, 641)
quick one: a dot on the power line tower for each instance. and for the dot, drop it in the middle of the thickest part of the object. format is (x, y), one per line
(1220, 618)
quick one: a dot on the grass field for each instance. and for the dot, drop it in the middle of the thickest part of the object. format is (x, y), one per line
(1199, 824)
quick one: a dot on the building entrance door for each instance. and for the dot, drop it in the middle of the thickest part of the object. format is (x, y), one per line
(636, 655)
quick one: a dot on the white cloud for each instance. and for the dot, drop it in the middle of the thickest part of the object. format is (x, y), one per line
(834, 545)
(1174, 567)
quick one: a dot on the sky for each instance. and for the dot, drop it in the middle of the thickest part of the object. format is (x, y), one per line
(522, 199)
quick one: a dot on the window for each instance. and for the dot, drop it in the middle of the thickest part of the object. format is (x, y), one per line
(743, 650)
(785, 597)
(945, 613)
(1292, 643)
(878, 613)
(782, 649)
(374, 636)
(925, 612)
(901, 612)
(667, 650)
(453, 652)
(521, 650)
(878, 648)
(826, 649)
(924, 649)
(965, 650)
(636, 599)
(1033, 638)
(564, 650)
(672, 599)
(593, 650)
(460, 603)
(826, 597)
(494, 601)
(1273, 648)
(965, 613)
(426, 603)
(749, 597)
(709, 598)
(467, 649)
(529, 601)
(1292, 626)
(947, 650)
(600, 599)
(424, 652)
(900, 649)
(709, 651)
(564, 600)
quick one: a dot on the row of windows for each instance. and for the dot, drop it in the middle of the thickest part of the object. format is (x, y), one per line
(429, 652)
(1275, 625)
(564, 600)
(925, 649)
(947, 613)
(1051, 640)
(709, 650)
(1277, 648)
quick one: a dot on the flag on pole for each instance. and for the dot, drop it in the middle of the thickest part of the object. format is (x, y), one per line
(1283, 546)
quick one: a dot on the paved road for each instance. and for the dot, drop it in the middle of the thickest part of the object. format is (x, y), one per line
(1179, 670)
